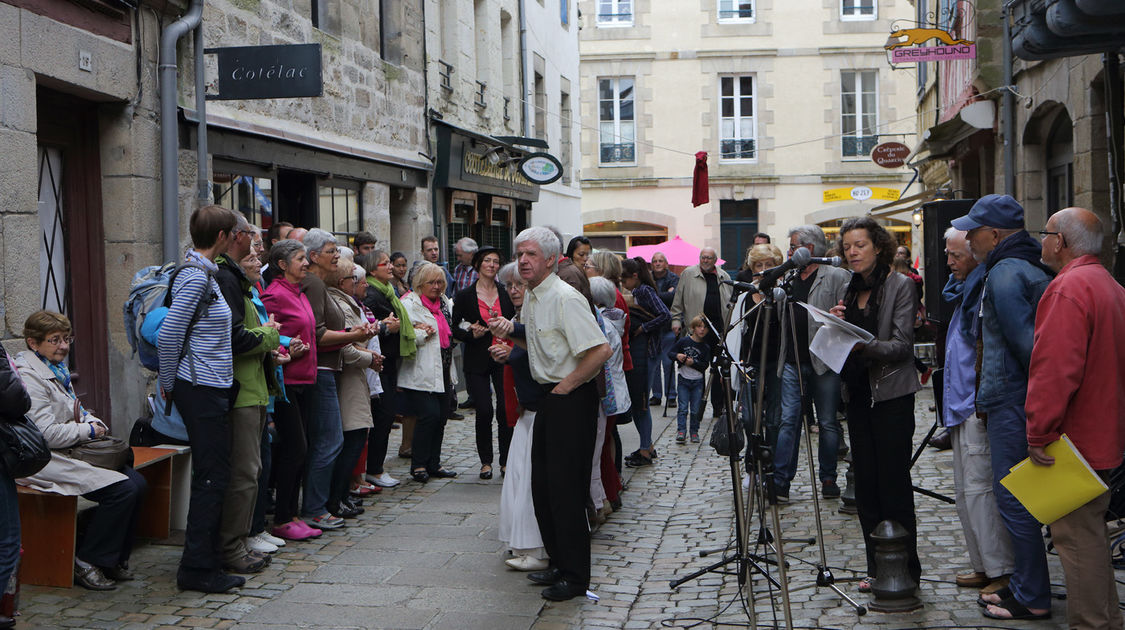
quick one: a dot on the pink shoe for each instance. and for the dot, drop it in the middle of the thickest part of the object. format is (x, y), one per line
(311, 531)
(293, 530)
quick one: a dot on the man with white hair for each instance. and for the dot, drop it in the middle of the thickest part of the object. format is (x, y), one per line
(463, 274)
(989, 546)
(701, 292)
(567, 349)
(1075, 387)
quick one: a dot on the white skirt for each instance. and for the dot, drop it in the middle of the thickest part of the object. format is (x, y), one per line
(518, 527)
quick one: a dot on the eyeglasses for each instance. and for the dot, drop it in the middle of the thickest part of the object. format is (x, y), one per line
(1048, 232)
(57, 340)
(385, 263)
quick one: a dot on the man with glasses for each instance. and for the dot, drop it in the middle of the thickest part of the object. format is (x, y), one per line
(701, 291)
(1004, 324)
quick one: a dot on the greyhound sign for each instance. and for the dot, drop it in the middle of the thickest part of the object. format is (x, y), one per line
(904, 46)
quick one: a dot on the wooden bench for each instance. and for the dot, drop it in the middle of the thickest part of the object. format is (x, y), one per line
(48, 522)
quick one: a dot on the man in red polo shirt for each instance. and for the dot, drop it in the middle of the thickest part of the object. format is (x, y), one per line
(1077, 387)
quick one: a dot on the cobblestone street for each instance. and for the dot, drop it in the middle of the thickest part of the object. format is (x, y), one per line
(427, 556)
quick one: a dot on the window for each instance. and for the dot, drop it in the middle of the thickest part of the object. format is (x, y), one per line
(616, 127)
(326, 16)
(615, 13)
(1060, 164)
(738, 223)
(857, 9)
(564, 12)
(860, 115)
(566, 155)
(540, 87)
(250, 196)
(736, 10)
(736, 118)
(339, 209)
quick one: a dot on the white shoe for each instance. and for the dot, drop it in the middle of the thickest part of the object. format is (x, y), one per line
(383, 480)
(527, 563)
(259, 545)
(271, 539)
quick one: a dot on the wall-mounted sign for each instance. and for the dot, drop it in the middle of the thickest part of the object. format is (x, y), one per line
(890, 154)
(860, 193)
(904, 44)
(255, 72)
(541, 168)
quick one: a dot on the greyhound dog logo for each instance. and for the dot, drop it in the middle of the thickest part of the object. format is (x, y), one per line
(916, 36)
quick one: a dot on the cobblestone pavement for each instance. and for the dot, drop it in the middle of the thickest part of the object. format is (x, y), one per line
(427, 556)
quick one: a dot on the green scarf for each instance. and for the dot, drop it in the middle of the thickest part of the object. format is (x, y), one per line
(406, 342)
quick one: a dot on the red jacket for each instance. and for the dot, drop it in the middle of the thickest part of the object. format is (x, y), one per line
(1077, 381)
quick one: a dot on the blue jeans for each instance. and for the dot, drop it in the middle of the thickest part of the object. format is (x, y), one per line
(9, 529)
(1030, 583)
(689, 403)
(771, 418)
(326, 439)
(825, 392)
(637, 380)
(661, 383)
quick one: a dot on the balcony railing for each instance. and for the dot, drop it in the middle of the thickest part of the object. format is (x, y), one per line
(445, 72)
(623, 153)
(738, 149)
(859, 146)
(480, 102)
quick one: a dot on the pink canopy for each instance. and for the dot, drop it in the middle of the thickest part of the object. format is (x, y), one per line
(679, 252)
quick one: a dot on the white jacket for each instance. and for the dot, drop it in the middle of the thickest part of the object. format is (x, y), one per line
(422, 372)
(613, 325)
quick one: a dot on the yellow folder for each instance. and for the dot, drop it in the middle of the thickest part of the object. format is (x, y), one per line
(1051, 492)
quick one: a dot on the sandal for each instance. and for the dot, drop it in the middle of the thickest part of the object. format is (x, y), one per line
(865, 584)
(486, 471)
(421, 476)
(1003, 594)
(1016, 610)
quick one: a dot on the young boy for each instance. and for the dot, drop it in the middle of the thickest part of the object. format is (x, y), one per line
(692, 354)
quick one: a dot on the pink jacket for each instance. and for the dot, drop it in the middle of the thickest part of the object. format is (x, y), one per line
(1077, 375)
(289, 306)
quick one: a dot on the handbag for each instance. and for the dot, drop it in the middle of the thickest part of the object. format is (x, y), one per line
(111, 453)
(23, 449)
(723, 441)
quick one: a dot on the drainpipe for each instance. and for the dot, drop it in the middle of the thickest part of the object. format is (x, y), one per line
(169, 143)
(525, 102)
(1009, 105)
(204, 182)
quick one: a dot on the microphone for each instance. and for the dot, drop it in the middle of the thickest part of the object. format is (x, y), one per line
(799, 259)
(741, 286)
(831, 261)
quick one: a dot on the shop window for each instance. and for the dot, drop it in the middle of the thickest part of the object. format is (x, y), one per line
(738, 223)
(251, 196)
(736, 118)
(619, 236)
(857, 10)
(613, 13)
(339, 209)
(460, 218)
(616, 125)
(736, 10)
(859, 122)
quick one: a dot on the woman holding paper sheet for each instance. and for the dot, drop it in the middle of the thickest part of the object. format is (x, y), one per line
(881, 382)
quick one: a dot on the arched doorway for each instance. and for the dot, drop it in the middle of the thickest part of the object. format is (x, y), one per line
(1059, 164)
(619, 236)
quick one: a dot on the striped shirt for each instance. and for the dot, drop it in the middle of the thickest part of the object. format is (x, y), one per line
(209, 349)
(463, 277)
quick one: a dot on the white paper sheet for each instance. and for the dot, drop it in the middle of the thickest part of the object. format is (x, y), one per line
(833, 341)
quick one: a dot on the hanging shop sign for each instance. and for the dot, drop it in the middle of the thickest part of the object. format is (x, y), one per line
(905, 46)
(860, 193)
(890, 154)
(541, 168)
(257, 72)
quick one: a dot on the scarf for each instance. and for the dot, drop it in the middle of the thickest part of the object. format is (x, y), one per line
(858, 284)
(62, 374)
(970, 303)
(1019, 245)
(953, 290)
(434, 306)
(407, 344)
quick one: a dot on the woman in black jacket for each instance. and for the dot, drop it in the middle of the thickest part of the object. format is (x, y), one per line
(14, 402)
(472, 308)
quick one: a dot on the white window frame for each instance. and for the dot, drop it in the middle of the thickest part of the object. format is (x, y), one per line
(734, 8)
(617, 122)
(616, 21)
(859, 111)
(855, 15)
(738, 117)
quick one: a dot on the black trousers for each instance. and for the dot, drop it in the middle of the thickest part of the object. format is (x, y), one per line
(290, 449)
(204, 410)
(382, 412)
(345, 463)
(562, 449)
(882, 438)
(429, 428)
(113, 525)
(478, 385)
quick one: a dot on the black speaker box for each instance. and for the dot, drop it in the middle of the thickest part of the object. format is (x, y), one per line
(937, 216)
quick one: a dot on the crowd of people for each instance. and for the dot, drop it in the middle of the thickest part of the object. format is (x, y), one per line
(287, 358)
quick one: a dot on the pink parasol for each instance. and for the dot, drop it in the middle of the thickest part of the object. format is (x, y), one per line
(679, 252)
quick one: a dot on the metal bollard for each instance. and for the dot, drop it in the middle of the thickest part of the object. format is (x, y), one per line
(894, 589)
(847, 498)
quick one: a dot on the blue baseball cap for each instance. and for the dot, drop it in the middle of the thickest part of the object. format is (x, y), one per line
(994, 211)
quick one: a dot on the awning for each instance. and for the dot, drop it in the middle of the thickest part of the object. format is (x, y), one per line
(939, 141)
(906, 204)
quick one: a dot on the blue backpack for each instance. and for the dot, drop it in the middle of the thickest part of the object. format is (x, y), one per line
(150, 296)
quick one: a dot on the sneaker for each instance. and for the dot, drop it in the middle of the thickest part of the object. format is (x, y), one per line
(207, 581)
(382, 480)
(293, 530)
(255, 543)
(829, 489)
(638, 461)
(680, 435)
(245, 564)
(271, 539)
(326, 521)
(695, 438)
(654, 401)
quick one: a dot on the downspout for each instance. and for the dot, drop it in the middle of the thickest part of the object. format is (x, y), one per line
(169, 143)
(1009, 106)
(204, 182)
(525, 102)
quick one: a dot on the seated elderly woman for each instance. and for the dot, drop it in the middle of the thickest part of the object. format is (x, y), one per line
(103, 553)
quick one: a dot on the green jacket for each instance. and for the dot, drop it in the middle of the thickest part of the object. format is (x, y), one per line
(254, 384)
